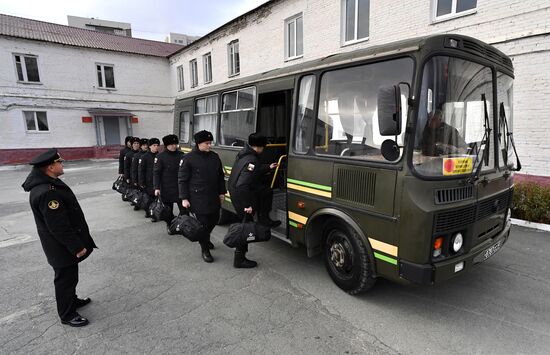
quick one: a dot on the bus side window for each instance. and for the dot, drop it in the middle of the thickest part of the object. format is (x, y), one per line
(304, 114)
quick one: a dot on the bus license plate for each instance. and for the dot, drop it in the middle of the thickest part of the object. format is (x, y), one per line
(488, 252)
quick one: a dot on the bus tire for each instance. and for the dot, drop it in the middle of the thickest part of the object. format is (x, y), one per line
(226, 217)
(347, 259)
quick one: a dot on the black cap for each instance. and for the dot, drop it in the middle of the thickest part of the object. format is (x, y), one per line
(143, 141)
(134, 140)
(203, 136)
(170, 139)
(127, 139)
(257, 140)
(48, 157)
(154, 141)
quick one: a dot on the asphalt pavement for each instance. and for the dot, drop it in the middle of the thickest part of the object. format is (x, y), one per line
(152, 293)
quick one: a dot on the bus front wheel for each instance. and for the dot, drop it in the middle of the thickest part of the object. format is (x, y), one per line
(347, 259)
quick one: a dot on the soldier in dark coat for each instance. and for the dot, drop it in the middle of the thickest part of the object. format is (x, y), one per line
(123, 151)
(145, 169)
(249, 194)
(202, 186)
(144, 146)
(62, 229)
(165, 173)
(128, 160)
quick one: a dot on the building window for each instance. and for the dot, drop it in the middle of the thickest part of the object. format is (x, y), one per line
(184, 127)
(355, 20)
(36, 121)
(105, 76)
(193, 72)
(206, 115)
(237, 116)
(207, 61)
(445, 9)
(179, 70)
(233, 60)
(294, 37)
(27, 68)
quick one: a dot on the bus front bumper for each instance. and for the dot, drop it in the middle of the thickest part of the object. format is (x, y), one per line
(429, 274)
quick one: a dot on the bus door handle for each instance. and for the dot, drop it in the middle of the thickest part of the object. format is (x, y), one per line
(277, 170)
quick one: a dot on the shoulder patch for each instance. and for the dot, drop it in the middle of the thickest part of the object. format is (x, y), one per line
(139, 161)
(181, 162)
(156, 159)
(250, 167)
(53, 205)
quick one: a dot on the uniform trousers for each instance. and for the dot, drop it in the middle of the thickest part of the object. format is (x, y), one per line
(65, 281)
(208, 221)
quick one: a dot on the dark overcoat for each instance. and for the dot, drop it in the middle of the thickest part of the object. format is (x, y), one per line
(201, 181)
(121, 156)
(128, 164)
(135, 165)
(145, 172)
(165, 174)
(60, 222)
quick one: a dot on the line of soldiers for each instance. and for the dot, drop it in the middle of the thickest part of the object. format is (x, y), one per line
(195, 182)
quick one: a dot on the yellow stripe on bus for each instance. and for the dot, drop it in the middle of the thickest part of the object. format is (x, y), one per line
(309, 190)
(296, 217)
(383, 247)
(186, 149)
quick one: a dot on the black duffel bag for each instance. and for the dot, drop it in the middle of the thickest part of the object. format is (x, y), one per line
(189, 227)
(145, 201)
(116, 184)
(133, 195)
(240, 234)
(159, 211)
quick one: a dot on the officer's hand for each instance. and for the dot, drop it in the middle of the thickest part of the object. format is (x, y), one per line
(81, 253)
(222, 198)
(248, 210)
(273, 166)
(121, 175)
(185, 203)
(157, 192)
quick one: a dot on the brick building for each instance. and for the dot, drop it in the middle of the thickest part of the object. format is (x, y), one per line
(285, 32)
(79, 90)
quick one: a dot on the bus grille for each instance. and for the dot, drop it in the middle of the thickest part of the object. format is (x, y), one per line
(455, 219)
(356, 186)
(455, 194)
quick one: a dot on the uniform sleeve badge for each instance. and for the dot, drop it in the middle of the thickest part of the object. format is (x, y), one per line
(139, 161)
(156, 159)
(250, 167)
(53, 205)
(181, 162)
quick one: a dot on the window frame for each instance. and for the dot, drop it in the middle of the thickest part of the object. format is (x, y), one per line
(195, 114)
(103, 81)
(231, 54)
(194, 73)
(24, 68)
(344, 24)
(37, 130)
(453, 14)
(287, 22)
(222, 111)
(207, 67)
(180, 78)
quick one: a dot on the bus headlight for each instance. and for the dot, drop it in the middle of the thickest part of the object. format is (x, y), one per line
(457, 242)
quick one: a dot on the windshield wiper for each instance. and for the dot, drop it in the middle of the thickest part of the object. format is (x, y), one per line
(485, 143)
(509, 136)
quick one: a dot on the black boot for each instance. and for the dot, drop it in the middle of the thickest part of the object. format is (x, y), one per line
(206, 256)
(241, 262)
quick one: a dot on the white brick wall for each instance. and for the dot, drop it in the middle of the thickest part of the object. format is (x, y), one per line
(69, 88)
(517, 27)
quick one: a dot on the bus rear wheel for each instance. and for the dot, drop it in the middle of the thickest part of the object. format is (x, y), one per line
(347, 259)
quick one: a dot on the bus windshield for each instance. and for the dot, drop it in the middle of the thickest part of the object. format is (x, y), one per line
(455, 118)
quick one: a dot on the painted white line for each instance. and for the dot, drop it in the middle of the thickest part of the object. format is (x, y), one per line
(539, 226)
(18, 239)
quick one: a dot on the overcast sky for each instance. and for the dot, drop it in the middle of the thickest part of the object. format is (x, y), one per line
(150, 19)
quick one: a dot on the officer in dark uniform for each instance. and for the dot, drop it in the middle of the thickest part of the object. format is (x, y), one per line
(202, 186)
(144, 146)
(249, 193)
(165, 173)
(128, 160)
(145, 169)
(123, 151)
(63, 231)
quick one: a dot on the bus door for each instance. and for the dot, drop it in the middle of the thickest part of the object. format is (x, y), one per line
(273, 121)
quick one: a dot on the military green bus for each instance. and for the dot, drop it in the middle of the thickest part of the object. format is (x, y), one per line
(395, 161)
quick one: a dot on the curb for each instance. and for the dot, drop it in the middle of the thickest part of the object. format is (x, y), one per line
(539, 226)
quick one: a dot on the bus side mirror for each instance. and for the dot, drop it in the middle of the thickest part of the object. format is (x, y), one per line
(389, 110)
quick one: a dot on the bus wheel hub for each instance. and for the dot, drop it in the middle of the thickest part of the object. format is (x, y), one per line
(337, 254)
